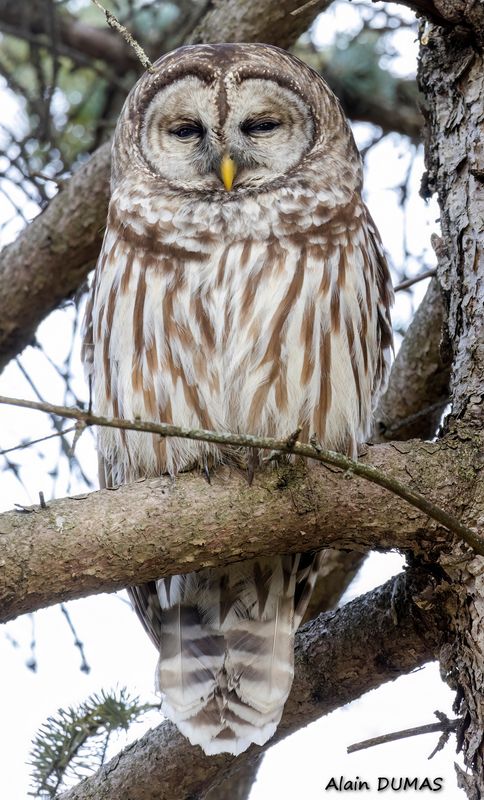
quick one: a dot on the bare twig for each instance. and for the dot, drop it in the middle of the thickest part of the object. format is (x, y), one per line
(116, 25)
(429, 273)
(445, 725)
(84, 665)
(303, 7)
(292, 438)
(312, 451)
(38, 441)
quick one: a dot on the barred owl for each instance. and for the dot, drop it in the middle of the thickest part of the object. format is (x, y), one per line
(241, 287)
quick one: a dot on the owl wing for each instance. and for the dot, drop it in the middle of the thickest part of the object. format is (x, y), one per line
(384, 302)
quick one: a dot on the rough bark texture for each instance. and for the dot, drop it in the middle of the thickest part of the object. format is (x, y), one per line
(106, 540)
(418, 390)
(451, 74)
(389, 632)
(466, 14)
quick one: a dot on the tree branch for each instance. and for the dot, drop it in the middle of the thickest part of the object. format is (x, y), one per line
(445, 726)
(91, 544)
(289, 445)
(163, 765)
(271, 21)
(418, 389)
(449, 14)
(51, 258)
(367, 92)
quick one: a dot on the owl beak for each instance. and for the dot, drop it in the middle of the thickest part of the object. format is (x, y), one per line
(228, 171)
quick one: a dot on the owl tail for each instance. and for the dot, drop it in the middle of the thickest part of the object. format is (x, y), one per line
(227, 652)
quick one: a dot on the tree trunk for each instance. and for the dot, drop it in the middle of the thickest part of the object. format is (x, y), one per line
(451, 75)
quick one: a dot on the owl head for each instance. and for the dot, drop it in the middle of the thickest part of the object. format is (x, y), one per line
(230, 118)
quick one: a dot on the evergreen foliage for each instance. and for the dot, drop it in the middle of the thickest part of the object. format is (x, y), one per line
(73, 743)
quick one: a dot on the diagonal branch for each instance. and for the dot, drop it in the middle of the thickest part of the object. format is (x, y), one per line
(51, 258)
(289, 445)
(386, 632)
(418, 389)
(271, 21)
(80, 546)
(449, 14)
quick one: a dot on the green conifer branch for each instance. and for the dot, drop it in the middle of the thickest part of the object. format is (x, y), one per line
(74, 741)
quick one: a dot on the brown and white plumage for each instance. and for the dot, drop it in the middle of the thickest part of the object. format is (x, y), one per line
(255, 310)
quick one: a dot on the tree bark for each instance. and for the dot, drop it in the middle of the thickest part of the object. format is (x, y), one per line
(418, 389)
(156, 527)
(52, 257)
(451, 75)
(388, 632)
(271, 22)
(455, 163)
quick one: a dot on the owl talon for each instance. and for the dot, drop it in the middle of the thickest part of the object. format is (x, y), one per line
(206, 472)
(274, 455)
(253, 455)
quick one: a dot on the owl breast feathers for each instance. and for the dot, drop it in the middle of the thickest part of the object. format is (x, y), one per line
(241, 287)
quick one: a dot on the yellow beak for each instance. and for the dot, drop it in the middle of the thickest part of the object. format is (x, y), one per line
(228, 171)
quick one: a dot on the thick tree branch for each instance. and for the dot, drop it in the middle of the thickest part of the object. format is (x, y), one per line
(449, 13)
(386, 632)
(288, 445)
(271, 21)
(367, 92)
(80, 546)
(51, 258)
(418, 389)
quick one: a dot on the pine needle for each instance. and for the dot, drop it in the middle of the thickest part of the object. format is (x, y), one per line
(73, 742)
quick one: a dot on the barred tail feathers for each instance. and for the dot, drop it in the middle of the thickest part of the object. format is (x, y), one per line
(226, 652)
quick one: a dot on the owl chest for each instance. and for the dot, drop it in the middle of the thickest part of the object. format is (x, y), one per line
(200, 334)
(251, 335)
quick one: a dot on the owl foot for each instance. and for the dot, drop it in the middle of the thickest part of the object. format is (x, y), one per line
(252, 461)
(206, 471)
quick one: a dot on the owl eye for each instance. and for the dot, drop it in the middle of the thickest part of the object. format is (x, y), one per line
(261, 126)
(188, 131)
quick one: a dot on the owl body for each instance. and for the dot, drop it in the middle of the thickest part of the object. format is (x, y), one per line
(245, 324)
(257, 309)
